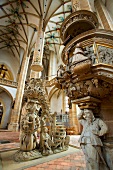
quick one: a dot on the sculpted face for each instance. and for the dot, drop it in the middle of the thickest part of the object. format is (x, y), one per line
(31, 106)
(88, 115)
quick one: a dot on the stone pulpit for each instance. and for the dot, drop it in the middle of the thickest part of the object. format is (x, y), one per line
(88, 75)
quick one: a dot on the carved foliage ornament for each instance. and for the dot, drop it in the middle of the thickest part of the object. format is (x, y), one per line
(93, 87)
(76, 5)
(34, 89)
(78, 17)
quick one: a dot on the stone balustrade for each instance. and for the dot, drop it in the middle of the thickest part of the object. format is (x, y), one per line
(96, 41)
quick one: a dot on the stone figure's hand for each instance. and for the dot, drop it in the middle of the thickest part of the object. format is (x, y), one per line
(95, 132)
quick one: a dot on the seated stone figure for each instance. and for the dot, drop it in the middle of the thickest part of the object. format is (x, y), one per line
(46, 142)
(90, 142)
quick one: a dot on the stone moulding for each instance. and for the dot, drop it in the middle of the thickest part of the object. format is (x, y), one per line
(101, 71)
(87, 102)
(8, 83)
(99, 36)
(81, 15)
(104, 72)
(96, 83)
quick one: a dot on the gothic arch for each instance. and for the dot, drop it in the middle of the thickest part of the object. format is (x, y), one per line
(3, 88)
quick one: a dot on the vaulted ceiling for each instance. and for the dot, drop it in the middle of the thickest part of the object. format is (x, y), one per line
(19, 21)
(52, 36)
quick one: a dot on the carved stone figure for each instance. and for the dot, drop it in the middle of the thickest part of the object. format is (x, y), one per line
(90, 142)
(46, 142)
(80, 63)
(105, 55)
(89, 52)
(76, 5)
(37, 116)
(60, 71)
(29, 125)
(78, 54)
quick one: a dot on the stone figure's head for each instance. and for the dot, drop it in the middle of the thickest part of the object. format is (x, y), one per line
(88, 115)
(31, 106)
(45, 129)
(78, 45)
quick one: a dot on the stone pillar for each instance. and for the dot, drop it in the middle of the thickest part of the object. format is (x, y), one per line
(104, 15)
(52, 66)
(73, 121)
(83, 5)
(63, 102)
(36, 66)
(15, 113)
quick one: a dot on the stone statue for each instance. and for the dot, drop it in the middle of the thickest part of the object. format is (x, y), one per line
(90, 142)
(60, 71)
(35, 120)
(79, 54)
(46, 142)
(29, 125)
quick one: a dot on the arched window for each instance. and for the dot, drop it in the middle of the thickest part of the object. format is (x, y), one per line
(5, 73)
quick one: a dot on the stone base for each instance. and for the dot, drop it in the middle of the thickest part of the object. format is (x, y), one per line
(20, 156)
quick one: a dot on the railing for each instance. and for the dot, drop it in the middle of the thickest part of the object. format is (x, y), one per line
(8, 83)
(62, 118)
(89, 38)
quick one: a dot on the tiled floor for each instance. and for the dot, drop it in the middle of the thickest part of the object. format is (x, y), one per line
(73, 159)
(70, 162)
(9, 136)
(12, 137)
